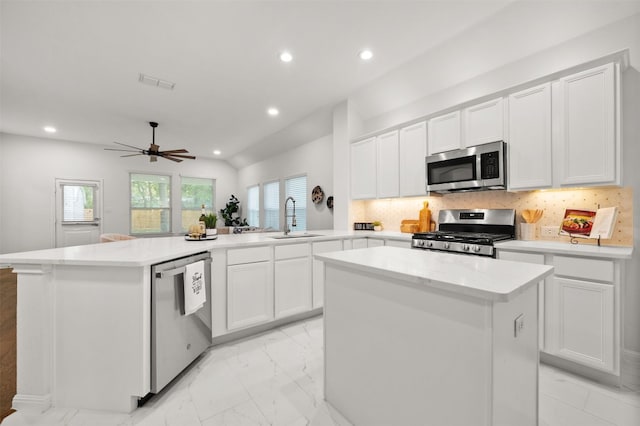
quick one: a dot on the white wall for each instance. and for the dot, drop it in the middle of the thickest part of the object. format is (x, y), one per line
(29, 167)
(313, 159)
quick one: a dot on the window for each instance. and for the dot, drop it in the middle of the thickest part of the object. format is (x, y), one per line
(272, 205)
(150, 204)
(78, 202)
(297, 188)
(196, 192)
(253, 205)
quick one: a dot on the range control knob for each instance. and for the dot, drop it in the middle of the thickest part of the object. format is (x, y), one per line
(421, 243)
(476, 248)
(429, 243)
(465, 247)
(445, 246)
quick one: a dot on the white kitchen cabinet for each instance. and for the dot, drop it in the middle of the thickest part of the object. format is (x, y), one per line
(412, 151)
(359, 243)
(586, 127)
(483, 123)
(292, 279)
(249, 287)
(397, 243)
(364, 169)
(371, 242)
(582, 318)
(529, 147)
(538, 259)
(444, 133)
(388, 166)
(318, 268)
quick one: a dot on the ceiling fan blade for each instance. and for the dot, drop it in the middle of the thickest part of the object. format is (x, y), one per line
(131, 155)
(177, 160)
(164, 154)
(176, 151)
(130, 146)
(121, 150)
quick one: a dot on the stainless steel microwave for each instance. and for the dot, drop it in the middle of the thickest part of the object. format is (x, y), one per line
(475, 168)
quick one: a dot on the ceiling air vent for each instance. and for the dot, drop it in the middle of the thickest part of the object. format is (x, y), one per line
(154, 81)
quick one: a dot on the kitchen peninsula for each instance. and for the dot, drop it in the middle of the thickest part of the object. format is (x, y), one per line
(84, 312)
(431, 338)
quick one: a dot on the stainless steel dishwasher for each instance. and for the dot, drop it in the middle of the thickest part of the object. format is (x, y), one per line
(176, 339)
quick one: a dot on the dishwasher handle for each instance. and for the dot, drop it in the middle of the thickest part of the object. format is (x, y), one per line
(176, 271)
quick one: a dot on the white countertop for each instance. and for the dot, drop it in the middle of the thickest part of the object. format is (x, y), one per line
(553, 247)
(477, 276)
(148, 251)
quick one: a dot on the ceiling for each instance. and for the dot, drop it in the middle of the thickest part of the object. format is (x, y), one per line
(76, 65)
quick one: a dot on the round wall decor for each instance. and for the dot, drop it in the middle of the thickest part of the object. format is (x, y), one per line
(330, 202)
(317, 195)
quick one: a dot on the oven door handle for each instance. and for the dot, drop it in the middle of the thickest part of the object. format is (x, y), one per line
(176, 271)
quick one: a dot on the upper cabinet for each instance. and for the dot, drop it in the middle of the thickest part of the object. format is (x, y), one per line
(586, 127)
(388, 170)
(413, 150)
(483, 123)
(529, 147)
(475, 125)
(363, 169)
(444, 133)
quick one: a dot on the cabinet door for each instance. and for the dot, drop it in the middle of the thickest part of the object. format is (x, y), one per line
(359, 243)
(363, 169)
(413, 150)
(398, 243)
(584, 323)
(484, 123)
(374, 242)
(539, 260)
(587, 127)
(388, 170)
(318, 269)
(444, 133)
(249, 294)
(529, 148)
(292, 285)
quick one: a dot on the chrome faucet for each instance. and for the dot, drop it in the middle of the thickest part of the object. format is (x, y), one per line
(293, 216)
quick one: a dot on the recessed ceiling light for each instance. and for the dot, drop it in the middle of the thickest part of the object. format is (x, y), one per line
(365, 54)
(286, 56)
(217, 152)
(273, 111)
(50, 129)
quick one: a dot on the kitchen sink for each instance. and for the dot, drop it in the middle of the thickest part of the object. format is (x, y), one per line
(286, 237)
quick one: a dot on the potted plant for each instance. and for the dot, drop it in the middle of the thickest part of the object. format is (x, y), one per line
(377, 225)
(210, 221)
(230, 213)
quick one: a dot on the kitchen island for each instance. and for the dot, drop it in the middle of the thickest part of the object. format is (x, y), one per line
(414, 337)
(84, 312)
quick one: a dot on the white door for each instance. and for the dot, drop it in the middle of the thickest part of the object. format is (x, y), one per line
(363, 169)
(388, 170)
(444, 133)
(484, 123)
(413, 149)
(78, 212)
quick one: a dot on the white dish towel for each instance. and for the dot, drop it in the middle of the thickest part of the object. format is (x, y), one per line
(194, 288)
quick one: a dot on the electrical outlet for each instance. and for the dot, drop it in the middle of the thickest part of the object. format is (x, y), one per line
(518, 325)
(549, 231)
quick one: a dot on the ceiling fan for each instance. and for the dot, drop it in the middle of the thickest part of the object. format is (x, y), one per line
(154, 152)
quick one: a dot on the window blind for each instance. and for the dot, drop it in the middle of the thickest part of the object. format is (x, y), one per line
(272, 205)
(297, 188)
(253, 205)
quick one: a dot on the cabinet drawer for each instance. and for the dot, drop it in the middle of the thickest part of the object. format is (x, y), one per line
(291, 251)
(248, 255)
(521, 257)
(590, 269)
(327, 246)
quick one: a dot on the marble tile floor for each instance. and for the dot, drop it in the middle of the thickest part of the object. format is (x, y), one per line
(275, 378)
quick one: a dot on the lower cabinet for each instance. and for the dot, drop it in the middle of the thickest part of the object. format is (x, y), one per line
(249, 294)
(581, 320)
(249, 287)
(292, 280)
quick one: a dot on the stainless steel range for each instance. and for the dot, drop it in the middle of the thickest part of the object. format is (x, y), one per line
(469, 231)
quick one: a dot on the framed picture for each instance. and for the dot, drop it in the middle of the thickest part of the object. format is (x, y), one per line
(577, 223)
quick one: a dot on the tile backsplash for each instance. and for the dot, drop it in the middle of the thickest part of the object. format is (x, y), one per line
(391, 212)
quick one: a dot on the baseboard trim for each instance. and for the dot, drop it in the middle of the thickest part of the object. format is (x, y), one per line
(630, 367)
(39, 403)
